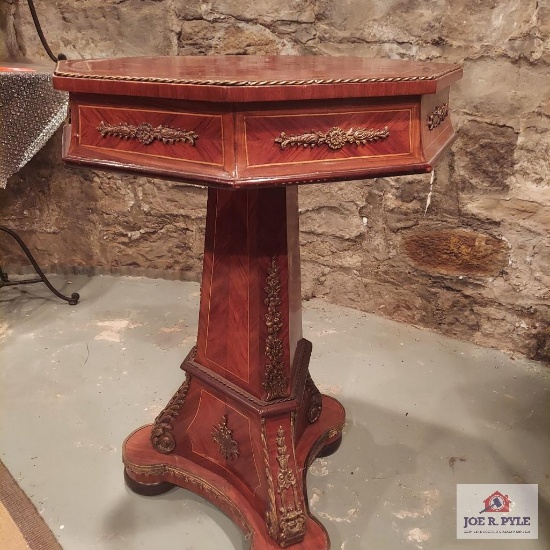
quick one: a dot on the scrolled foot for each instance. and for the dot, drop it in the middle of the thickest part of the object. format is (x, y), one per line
(147, 489)
(331, 448)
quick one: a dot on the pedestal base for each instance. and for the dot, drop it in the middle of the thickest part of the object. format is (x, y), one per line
(149, 472)
(248, 420)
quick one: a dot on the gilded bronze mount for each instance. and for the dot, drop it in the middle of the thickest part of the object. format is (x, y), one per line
(223, 436)
(438, 115)
(162, 437)
(276, 381)
(335, 138)
(146, 133)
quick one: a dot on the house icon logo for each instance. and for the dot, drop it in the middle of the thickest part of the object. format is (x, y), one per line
(497, 502)
(511, 512)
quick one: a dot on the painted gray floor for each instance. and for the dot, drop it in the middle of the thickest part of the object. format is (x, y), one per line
(424, 413)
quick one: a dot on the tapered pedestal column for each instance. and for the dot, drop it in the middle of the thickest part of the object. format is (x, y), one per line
(248, 420)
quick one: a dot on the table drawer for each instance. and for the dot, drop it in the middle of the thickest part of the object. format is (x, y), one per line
(250, 144)
(141, 135)
(352, 134)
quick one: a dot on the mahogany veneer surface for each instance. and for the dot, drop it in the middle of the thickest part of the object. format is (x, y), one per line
(256, 78)
(248, 420)
(257, 121)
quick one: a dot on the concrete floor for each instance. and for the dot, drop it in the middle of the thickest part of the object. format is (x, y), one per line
(424, 413)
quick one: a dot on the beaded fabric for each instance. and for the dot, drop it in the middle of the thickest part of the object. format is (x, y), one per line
(30, 112)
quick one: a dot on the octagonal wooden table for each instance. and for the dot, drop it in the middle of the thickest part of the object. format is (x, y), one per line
(248, 419)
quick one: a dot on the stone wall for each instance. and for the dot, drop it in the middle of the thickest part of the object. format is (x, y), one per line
(466, 254)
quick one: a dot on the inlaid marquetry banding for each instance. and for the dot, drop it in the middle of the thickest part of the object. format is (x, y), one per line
(146, 133)
(438, 115)
(335, 138)
(212, 493)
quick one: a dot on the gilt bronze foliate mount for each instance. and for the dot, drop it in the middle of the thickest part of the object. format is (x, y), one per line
(438, 115)
(223, 436)
(146, 133)
(335, 138)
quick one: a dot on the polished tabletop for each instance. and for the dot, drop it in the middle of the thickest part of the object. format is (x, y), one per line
(253, 78)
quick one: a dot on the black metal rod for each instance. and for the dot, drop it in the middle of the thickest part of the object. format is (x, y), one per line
(20, 282)
(41, 34)
(73, 299)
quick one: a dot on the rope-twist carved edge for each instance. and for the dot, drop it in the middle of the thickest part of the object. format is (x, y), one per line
(213, 82)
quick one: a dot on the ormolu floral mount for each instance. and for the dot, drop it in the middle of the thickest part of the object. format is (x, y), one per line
(248, 420)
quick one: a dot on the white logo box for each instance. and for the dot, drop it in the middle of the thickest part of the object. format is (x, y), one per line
(477, 516)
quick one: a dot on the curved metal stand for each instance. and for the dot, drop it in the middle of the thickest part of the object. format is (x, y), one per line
(41, 34)
(4, 280)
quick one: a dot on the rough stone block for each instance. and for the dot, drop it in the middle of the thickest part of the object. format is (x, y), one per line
(467, 256)
(456, 252)
(484, 157)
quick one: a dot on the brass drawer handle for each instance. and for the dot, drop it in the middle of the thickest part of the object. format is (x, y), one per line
(147, 133)
(335, 138)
